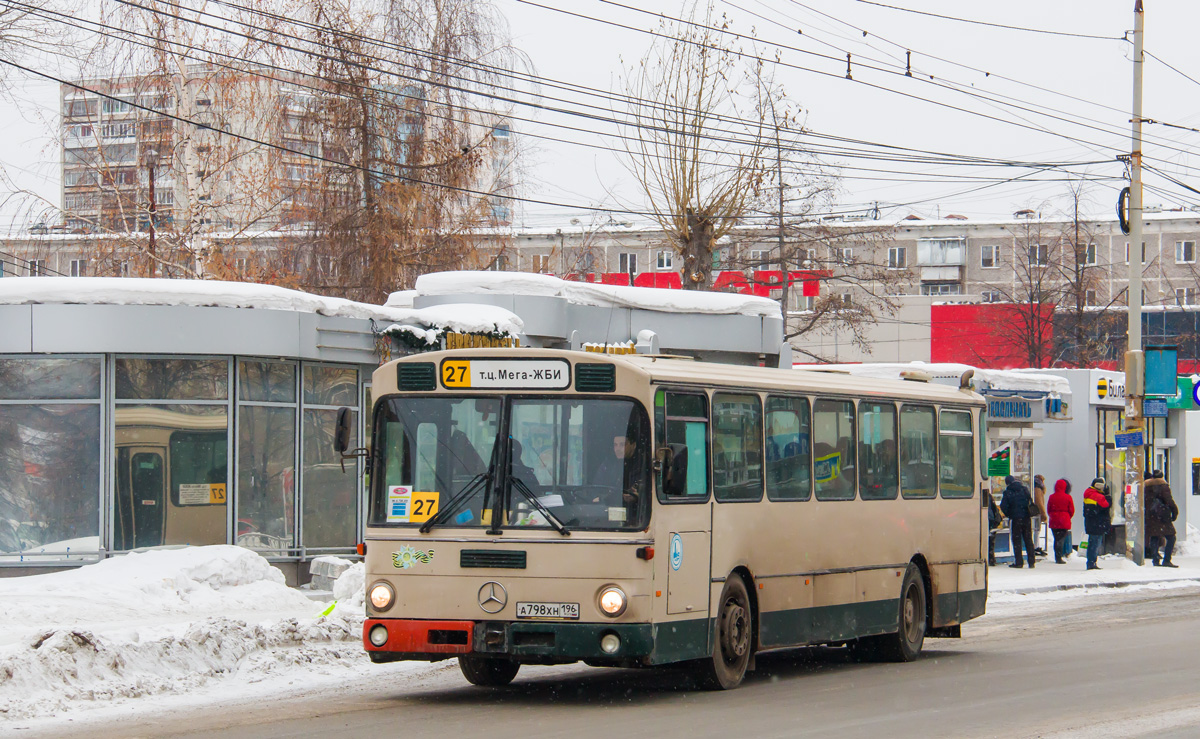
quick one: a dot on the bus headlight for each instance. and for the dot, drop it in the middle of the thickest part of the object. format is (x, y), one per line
(613, 601)
(381, 596)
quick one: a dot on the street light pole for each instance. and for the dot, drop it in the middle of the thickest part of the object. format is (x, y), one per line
(1134, 359)
(150, 158)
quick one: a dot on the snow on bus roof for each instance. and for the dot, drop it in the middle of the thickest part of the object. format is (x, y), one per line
(469, 318)
(1014, 379)
(587, 293)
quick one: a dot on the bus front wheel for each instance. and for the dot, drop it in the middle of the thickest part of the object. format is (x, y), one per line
(734, 638)
(489, 672)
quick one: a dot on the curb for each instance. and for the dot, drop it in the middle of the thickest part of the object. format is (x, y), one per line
(1085, 585)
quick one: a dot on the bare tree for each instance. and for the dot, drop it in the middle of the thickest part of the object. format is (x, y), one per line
(1025, 326)
(695, 136)
(1083, 324)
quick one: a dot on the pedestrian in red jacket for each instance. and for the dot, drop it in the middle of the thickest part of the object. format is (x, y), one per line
(1061, 509)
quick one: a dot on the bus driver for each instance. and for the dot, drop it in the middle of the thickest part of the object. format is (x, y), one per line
(622, 471)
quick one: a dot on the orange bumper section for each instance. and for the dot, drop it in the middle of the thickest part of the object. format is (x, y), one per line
(422, 637)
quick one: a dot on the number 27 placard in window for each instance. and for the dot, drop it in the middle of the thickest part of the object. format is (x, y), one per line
(406, 506)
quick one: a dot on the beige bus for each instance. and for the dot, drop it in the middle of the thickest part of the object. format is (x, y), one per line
(535, 506)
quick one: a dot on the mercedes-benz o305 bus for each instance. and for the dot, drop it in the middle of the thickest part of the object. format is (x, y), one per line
(542, 507)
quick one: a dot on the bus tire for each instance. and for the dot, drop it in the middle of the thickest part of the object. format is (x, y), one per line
(733, 645)
(905, 645)
(488, 672)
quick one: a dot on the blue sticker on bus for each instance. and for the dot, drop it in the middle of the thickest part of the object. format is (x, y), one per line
(676, 551)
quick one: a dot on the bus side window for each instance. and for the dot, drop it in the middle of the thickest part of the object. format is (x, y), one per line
(737, 447)
(788, 449)
(918, 451)
(834, 449)
(681, 454)
(957, 455)
(878, 461)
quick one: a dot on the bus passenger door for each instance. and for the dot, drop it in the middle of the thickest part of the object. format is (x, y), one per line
(141, 489)
(688, 574)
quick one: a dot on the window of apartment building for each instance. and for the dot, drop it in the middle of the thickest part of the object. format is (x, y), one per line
(989, 256)
(897, 257)
(1039, 255)
(805, 303)
(847, 300)
(37, 267)
(666, 260)
(841, 254)
(803, 257)
(501, 131)
(541, 262)
(77, 202)
(992, 296)
(1185, 252)
(588, 262)
(203, 102)
(1185, 296)
(240, 266)
(327, 267)
(1127, 252)
(627, 263)
(759, 258)
(79, 267)
(79, 130)
(73, 178)
(113, 106)
(1090, 255)
(164, 197)
(157, 102)
(941, 252)
(1090, 298)
(499, 264)
(941, 288)
(80, 108)
(117, 130)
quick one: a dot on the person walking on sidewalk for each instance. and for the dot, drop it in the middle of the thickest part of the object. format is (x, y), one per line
(995, 518)
(1060, 510)
(1017, 505)
(1039, 501)
(1096, 511)
(1161, 512)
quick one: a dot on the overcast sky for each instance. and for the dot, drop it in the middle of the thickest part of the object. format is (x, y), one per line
(1086, 95)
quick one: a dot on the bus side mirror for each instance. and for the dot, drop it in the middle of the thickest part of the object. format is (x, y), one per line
(341, 438)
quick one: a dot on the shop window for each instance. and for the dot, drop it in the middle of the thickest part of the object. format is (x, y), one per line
(266, 476)
(918, 451)
(834, 449)
(789, 458)
(50, 468)
(737, 447)
(330, 514)
(878, 459)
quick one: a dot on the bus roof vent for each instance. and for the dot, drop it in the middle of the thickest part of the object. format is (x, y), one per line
(416, 377)
(916, 376)
(595, 378)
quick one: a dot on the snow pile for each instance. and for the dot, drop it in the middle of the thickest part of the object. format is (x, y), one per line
(1031, 381)
(350, 592)
(158, 622)
(215, 293)
(1188, 543)
(586, 293)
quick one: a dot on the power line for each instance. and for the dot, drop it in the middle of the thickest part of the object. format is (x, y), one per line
(995, 25)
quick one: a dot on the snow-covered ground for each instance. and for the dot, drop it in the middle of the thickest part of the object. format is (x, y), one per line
(206, 625)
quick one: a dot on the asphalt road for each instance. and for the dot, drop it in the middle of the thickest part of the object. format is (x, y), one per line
(1104, 665)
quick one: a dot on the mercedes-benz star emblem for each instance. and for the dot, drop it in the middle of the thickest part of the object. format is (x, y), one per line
(492, 597)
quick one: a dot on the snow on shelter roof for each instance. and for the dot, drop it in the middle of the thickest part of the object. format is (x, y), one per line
(587, 293)
(1015, 380)
(468, 318)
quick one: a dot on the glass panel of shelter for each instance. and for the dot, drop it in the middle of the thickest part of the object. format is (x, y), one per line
(50, 437)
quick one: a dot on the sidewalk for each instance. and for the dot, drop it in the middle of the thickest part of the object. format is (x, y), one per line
(1114, 572)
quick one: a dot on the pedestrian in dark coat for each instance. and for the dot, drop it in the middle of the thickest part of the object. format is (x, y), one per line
(1016, 504)
(1060, 509)
(1161, 512)
(1097, 509)
(995, 518)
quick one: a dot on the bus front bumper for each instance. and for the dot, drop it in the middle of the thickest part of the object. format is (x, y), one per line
(532, 641)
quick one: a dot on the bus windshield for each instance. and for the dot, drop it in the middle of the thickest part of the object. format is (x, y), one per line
(586, 461)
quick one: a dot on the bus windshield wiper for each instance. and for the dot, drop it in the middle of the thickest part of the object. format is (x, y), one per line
(524, 490)
(473, 485)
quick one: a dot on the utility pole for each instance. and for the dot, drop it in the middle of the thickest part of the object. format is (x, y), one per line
(1134, 359)
(783, 260)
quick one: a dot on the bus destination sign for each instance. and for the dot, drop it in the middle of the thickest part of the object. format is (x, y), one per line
(506, 374)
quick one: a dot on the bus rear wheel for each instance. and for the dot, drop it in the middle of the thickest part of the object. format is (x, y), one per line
(489, 672)
(734, 642)
(904, 645)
